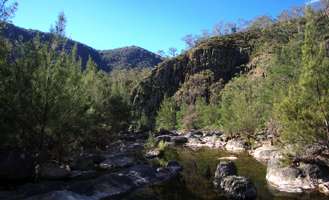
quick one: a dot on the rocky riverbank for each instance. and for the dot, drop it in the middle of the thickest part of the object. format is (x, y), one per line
(310, 173)
(90, 176)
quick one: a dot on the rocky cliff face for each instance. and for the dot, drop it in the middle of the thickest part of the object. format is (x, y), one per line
(224, 56)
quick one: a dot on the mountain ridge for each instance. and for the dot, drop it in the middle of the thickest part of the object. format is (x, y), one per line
(105, 60)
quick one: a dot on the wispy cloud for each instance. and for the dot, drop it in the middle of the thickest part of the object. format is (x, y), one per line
(308, 2)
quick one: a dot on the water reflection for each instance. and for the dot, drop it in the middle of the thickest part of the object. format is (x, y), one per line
(195, 183)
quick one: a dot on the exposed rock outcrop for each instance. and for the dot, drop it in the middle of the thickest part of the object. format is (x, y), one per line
(223, 56)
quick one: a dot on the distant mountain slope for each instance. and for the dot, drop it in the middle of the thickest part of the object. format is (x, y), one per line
(130, 57)
(127, 57)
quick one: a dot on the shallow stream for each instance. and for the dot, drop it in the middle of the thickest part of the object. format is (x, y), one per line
(196, 180)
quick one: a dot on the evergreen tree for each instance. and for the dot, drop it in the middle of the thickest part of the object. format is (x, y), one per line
(166, 116)
(304, 112)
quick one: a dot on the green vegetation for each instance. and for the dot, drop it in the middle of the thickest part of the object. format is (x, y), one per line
(50, 104)
(166, 118)
(303, 113)
(284, 92)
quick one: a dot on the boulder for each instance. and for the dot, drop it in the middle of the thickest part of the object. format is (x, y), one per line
(196, 134)
(210, 141)
(165, 138)
(16, 166)
(194, 142)
(238, 188)
(83, 175)
(324, 188)
(295, 179)
(117, 161)
(233, 186)
(166, 132)
(53, 171)
(153, 153)
(87, 162)
(236, 146)
(179, 139)
(142, 175)
(223, 169)
(264, 153)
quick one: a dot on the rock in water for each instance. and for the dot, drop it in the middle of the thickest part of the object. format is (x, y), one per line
(233, 186)
(224, 168)
(238, 188)
(295, 179)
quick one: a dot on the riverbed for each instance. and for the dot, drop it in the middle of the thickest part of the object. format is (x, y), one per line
(195, 183)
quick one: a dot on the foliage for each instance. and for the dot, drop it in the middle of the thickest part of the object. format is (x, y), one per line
(303, 113)
(243, 110)
(166, 116)
(151, 142)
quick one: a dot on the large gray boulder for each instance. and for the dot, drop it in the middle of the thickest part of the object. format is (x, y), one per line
(295, 179)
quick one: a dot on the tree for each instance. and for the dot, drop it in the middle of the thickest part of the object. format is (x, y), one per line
(205, 34)
(284, 16)
(208, 115)
(303, 113)
(7, 11)
(172, 51)
(230, 28)
(189, 40)
(166, 116)
(261, 22)
(218, 29)
(161, 53)
(60, 25)
(243, 110)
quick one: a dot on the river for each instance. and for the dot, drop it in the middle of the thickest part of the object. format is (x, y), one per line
(196, 180)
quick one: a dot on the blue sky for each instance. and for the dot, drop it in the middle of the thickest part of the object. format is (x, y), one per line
(151, 24)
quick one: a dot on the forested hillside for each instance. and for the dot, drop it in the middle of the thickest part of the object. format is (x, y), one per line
(79, 123)
(268, 77)
(106, 60)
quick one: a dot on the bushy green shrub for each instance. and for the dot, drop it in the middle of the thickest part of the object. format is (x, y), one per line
(166, 116)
